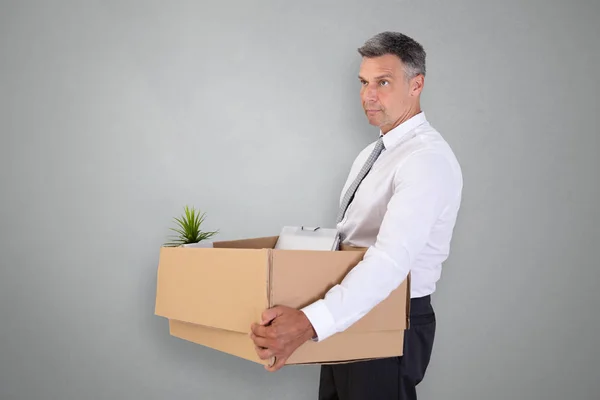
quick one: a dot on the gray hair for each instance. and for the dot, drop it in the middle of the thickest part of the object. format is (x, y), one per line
(407, 49)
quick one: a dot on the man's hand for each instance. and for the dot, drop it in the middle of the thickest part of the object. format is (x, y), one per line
(281, 331)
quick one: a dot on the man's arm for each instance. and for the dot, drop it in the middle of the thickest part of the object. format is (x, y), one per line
(423, 187)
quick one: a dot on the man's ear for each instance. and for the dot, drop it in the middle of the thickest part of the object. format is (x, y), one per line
(416, 85)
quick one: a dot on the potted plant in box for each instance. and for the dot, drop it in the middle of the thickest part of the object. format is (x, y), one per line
(189, 233)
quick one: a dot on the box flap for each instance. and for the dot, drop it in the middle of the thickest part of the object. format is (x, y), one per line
(221, 288)
(351, 346)
(339, 348)
(300, 277)
(235, 343)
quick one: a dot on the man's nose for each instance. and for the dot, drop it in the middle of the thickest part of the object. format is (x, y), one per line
(370, 94)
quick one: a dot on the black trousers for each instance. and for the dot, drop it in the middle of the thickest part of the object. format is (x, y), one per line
(388, 378)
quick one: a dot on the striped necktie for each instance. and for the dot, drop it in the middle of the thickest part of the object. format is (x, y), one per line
(361, 175)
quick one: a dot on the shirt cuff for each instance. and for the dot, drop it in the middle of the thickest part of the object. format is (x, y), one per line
(321, 319)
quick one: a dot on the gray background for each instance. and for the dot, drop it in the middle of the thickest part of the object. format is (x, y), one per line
(114, 114)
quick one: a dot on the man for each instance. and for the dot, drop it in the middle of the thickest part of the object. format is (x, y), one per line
(401, 201)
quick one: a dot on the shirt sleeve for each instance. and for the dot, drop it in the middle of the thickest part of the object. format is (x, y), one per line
(424, 185)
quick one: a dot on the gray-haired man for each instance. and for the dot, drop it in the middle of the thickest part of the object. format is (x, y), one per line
(401, 201)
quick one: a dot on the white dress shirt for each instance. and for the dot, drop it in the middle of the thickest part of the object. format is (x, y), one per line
(404, 212)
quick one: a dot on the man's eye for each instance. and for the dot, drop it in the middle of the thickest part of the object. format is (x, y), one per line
(383, 83)
(363, 83)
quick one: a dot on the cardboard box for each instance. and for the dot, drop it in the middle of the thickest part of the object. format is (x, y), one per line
(211, 296)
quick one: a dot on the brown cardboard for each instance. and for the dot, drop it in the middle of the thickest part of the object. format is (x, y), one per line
(211, 296)
(342, 347)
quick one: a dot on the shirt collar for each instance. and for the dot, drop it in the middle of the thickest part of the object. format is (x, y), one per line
(392, 138)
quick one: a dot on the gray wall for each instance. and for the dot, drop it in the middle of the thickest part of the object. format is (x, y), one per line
(115, 114)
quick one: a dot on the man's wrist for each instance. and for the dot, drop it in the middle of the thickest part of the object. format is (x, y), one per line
(309, 329)
(321, 320)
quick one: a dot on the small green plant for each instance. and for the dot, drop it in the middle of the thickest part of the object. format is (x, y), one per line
(188, 229)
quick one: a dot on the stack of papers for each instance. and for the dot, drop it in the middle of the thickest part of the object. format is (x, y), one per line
(308, 238)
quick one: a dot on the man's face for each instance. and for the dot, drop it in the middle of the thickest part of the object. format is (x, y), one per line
(388, 98)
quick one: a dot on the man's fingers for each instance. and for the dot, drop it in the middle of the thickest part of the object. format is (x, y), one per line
(262, 353)
(259, 341)
(270, 314)
(279, 363)
(259, 330)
